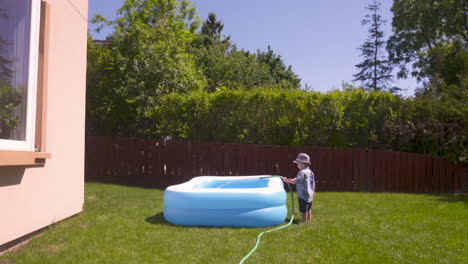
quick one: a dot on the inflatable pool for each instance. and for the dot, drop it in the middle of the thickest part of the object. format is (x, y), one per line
(244, 201)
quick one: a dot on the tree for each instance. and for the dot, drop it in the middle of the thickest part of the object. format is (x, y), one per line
(9, 100)
(428, 34)
(375, 72)
(145, 57)
(9, 97)
(5, 71)
(211, 52)
(281, 75)
(430, 42)
(446, 68)
(245, 71)
(226, 66)
(210, 33)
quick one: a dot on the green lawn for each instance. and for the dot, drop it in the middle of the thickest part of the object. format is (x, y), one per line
(125, 225)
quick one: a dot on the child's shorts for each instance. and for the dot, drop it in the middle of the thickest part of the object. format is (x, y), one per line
(304, 206)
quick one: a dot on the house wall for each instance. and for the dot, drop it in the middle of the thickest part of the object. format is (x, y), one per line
(32, 198)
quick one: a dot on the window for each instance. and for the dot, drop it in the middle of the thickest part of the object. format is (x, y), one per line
(19, 40)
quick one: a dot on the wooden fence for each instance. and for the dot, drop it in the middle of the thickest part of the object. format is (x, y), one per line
(158, 163)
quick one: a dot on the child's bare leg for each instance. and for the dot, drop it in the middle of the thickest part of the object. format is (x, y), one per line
(304, 217)
(309, 215)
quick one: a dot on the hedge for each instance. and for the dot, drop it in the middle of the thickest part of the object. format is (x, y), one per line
(349, 118)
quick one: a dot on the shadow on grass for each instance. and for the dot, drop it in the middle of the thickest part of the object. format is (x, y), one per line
(117, 183)
(295, 221)
(158, 219)
(453, 198)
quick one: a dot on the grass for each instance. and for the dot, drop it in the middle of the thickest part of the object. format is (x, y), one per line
(125, 225)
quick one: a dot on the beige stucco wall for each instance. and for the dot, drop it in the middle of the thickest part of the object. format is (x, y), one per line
(33, 198)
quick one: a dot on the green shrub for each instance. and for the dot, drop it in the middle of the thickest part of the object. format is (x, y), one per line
(349, 118)
(9, 100)
(343, 119)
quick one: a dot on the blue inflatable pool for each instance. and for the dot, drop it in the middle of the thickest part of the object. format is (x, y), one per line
(244, 201)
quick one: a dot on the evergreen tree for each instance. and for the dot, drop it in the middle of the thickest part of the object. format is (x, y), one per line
(223, 64)
(6, 73)
(9, 97)
(211, 30)
(375, 72)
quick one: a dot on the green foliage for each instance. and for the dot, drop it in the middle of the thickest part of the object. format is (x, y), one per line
(9, 100)
(210, 33)
(368, 117)
(145, 57)
(349, 118)
(432, 36)
(156, 76)
(225, 66)
(419, 27)
(155, 50)
(9, 97)
(282, 76)
(5, 71)
(433, 126)
(447, 65)
(274, 117)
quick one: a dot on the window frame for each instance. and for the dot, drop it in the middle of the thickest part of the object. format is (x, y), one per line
(31, 157)
(28, 143)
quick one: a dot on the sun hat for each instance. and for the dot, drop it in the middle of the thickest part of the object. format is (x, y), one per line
(302, 158)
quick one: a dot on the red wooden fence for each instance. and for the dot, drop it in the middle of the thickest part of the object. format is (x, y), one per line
(156, 163)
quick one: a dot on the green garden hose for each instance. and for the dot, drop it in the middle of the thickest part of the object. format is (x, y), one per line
(274, 229)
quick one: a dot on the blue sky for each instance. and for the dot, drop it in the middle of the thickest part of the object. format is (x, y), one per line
(318, 38)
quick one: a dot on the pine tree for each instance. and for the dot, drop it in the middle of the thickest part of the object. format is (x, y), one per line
(6, 73)
(375, 72)
(9, 97)
(211, 30)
